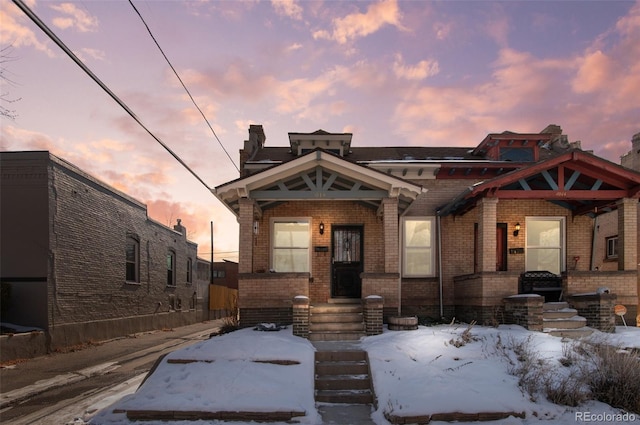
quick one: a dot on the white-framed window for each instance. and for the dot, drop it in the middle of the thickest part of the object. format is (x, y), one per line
(171, 268)
(132, 259)
(612, 247)
(418, 246)
(545, 244)
(290, 245)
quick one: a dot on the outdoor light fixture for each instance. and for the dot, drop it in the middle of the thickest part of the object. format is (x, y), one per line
(515, 232)
(321, 228)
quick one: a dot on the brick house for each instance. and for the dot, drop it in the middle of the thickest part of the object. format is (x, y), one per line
(83, 261)
(435, 231)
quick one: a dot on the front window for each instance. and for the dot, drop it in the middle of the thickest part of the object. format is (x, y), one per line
(418, 257)
(291, 242)
(133, 259)
(171, 268)
(612, 247)
(545, 244)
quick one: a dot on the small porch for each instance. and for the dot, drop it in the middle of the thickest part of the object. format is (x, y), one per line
(549, 210)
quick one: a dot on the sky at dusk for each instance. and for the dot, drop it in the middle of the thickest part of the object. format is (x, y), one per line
(421, 73)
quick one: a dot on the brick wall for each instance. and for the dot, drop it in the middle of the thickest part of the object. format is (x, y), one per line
(87, 229)
(597, 309)
(526, 311)
(330, 213)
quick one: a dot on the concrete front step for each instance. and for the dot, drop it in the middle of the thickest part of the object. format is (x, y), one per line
(335, 308)
(348, 327)
(343, 377)
(335, 336)
(343, 382)
(555, 306)
(345, 397)
(564, 313)
(342, 368)
(574, 322)
(336, 322)
(569, 333)
(336, 317)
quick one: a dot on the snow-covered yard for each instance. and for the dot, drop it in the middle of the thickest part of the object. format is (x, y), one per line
(432, 370)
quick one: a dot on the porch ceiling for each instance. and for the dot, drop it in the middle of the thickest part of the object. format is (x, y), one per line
(318, 175)
(577, 180)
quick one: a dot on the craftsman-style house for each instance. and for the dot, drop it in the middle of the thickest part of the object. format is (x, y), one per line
(435, 231)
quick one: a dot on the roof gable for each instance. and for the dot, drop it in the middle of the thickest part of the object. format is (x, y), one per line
(577, 180)
(317, 175)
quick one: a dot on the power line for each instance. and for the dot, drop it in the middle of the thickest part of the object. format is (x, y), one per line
(104, 87)
(183, 85)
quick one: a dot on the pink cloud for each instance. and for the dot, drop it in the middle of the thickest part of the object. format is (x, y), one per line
(358, 25)
(419, 71)
(288, 8)
(13, 33)
(74, 17)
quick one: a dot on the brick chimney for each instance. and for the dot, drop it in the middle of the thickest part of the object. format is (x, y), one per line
(251, 146)
(632, 158)
(178, 227)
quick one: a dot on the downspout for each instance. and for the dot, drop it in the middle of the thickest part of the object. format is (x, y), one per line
(593, 242)
(439, 253)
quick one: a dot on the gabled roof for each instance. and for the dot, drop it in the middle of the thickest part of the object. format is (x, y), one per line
(317, 175)
(577, 180)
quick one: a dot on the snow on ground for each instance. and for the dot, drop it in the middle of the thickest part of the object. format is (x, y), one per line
(415, 373)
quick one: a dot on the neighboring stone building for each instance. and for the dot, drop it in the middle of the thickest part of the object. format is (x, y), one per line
(82, 260)
(435, 231)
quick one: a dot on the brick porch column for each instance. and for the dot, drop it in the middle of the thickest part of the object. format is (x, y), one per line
(627, 234)
(245, 220)
(487, 218)
(301, 316)
(390, 217)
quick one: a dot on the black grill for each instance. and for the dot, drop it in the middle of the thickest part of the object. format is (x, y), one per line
(541, 283)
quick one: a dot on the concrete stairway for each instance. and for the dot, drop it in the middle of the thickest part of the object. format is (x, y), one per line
(336, 322)
(558, 319)
(343, 377)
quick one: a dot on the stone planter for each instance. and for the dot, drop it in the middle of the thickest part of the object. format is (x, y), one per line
(406, 323)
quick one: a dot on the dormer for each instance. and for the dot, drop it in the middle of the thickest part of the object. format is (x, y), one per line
(336, 143)
(522, 147)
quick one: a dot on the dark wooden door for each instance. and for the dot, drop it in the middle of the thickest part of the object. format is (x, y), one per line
(346, 262)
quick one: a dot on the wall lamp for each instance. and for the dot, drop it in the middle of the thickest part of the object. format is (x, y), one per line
(321, 228)
(517, 231)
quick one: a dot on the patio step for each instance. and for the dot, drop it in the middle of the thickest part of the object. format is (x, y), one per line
(343, 377)
(336, 321)
(558, 319)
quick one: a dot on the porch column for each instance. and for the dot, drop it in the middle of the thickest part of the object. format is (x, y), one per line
(390, 217)
(245, 220)
(487, 217)
(628, 234)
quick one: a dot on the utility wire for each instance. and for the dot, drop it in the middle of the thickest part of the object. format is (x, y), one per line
(183, 85)
(124, 106)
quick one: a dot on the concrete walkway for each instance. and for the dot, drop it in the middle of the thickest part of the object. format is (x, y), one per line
(353, 414)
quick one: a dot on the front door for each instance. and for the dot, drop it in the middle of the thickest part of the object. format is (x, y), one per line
(346, 262)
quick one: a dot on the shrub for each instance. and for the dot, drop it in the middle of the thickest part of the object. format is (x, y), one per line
(613, 376)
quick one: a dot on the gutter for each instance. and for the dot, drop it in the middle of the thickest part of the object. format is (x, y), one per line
(439, 230)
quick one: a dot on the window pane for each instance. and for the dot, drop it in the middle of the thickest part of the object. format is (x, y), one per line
(543, 233)
(290, 235)
(544, 259)
(417, 233)
(169, 261)
(131, 251)
(290, 260)
(131, 272)
(418, 262)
